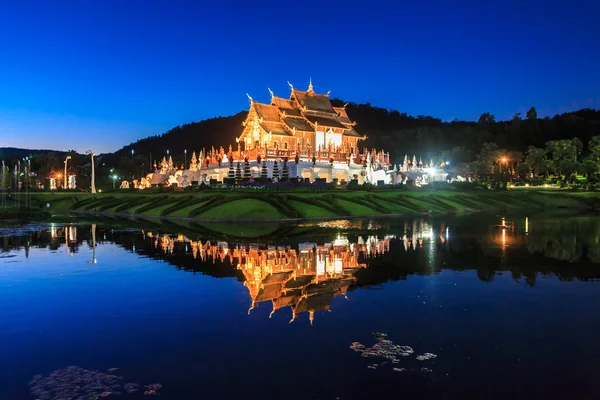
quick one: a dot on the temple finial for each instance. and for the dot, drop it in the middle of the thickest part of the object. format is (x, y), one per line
(327, 94)
(291, 86)
(250, 98)
(310, 85)
(272, 94)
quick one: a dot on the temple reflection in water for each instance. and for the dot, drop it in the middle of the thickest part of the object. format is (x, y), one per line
(305, 277)
(305, 273)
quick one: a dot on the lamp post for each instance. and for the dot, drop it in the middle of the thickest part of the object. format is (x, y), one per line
(114, 178)
(132, 152)
(65, 180)
(91, 154)
(503, 160)
(184, 158)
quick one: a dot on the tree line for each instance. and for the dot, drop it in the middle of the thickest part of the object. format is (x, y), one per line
(550, 145)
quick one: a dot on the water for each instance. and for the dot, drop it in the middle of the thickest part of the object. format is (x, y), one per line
(508, 306)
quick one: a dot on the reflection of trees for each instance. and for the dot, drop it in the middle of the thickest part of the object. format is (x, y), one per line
(546, 246)
(572, 239)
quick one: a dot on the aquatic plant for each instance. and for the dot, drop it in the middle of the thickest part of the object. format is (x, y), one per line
(388, 350)
(82, 384)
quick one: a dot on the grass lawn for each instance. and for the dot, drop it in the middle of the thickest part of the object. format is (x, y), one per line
(273, 205)
(355, 209)
(309, 210)
(243, 209)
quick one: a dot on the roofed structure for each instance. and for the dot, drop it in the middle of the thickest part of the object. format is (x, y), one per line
(305, 122)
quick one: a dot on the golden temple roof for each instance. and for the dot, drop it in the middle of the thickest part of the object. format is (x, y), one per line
(300, 124)
(304, 111)
(286, 106)
(325, 121)
(313, 101)
(266, 111)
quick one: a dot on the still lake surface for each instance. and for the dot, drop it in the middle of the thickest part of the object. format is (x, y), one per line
(505, 306)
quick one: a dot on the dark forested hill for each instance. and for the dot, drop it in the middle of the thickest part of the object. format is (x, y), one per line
(401, 134)
(395, 132)
(14, 153)
(391, 130)
(219, 131)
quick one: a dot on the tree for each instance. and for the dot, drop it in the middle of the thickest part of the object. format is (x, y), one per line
(238, 172)
(523, 170)
(285, 172)
(264, 172)
(590, 167)
(247, 174)
(531, 114)
(231, 173)
(544, 167)
(594, 147)
(568, 167)
(126, 166)
(515, 128)
(564, 155)
(535, 157)
(487, 157)
(486, 119)
(140, 165)
(275, 170)
(513, 158)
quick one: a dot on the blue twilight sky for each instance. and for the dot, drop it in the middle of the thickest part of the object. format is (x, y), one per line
(99, 74)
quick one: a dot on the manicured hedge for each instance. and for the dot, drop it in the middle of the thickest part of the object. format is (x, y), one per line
(161, 201)
(131, 203)
(90, 203)
(185, 202)
(333, 208)
(366, 203)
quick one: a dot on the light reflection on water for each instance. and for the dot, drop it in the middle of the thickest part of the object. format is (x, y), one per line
(99, 296)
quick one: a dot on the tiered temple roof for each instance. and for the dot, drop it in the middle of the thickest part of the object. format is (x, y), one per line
(304, 111)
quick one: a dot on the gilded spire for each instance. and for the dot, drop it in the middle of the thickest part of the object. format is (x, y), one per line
(310, 85)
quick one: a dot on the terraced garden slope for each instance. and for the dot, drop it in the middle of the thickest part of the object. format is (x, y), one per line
(261, 206)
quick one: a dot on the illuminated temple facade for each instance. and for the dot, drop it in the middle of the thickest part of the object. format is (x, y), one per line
(305, 135)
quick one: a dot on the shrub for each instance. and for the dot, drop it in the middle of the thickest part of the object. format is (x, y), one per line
(353, 185)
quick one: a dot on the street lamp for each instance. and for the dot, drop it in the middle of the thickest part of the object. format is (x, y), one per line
(132, 151)
(114, 178)
(184, 158)
(91, 154)
(65, 181)
(503, 160)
